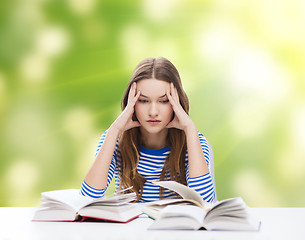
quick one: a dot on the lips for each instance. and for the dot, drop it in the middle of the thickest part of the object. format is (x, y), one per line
(153, 121)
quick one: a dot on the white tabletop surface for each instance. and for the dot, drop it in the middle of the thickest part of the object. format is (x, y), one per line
(15, 223)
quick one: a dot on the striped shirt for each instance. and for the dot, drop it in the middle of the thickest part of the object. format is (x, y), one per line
(150, 166)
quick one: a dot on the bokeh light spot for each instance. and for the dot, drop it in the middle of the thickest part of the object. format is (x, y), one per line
(78, 122)
(218, 40)
(22, 176)
(154, 11)
(135, 44)
(36, 65)
(25, 125)
(35, 68)
(291, 165)
(253, 72)
(52, 41)
(82, 7)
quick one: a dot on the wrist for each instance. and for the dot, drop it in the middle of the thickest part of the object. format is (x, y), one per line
(190, 128)
(114, 130)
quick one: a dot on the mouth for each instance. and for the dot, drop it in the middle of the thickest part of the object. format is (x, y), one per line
(153, 121)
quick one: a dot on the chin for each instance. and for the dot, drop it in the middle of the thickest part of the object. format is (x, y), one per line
(153, 130)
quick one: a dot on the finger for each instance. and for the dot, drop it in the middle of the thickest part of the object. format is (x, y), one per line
(134, 97)
(137, 97)
(170, 98)
(132, 91)
(177, 108)
(172, 90)
(174, 93)
(130, 108)
(173, 101)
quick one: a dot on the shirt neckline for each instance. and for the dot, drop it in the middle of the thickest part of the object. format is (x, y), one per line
(154, 151)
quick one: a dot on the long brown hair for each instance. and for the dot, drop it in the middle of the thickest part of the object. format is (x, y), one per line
(130, 142)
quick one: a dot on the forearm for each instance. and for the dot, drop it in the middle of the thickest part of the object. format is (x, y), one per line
(197, 163)
(199, 177)
(97, 175)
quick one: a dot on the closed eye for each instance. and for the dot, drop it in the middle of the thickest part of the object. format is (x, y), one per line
(165, 101)
(142, 101)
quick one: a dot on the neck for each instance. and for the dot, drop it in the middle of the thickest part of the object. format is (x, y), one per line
(154, 140)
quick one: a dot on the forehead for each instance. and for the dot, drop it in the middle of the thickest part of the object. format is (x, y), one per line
(152, 87)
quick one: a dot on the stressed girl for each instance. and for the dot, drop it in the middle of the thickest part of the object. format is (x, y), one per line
(152, 139)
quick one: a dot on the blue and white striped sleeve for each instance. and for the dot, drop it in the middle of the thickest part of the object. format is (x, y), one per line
(89, 191)
(202, 184)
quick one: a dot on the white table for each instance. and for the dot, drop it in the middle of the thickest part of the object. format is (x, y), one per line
(15, 223)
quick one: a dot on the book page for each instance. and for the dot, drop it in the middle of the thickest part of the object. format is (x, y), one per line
(68, 198)
(152, 209)
(71, 198)
(184, 217)
(231, 214)
(184, 191)
(234, 205)
(116, 200)
(183, 211)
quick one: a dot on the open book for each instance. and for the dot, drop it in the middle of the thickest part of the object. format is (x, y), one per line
(191, 212)
(70, 205)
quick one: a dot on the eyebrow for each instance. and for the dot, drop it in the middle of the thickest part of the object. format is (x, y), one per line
(148, 97)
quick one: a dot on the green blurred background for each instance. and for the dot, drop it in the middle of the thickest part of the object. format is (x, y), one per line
(64, 65)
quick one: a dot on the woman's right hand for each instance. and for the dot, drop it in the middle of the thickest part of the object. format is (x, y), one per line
(98, 173)
(124, 120)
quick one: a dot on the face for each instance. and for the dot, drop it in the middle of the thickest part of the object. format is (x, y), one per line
(153, 109)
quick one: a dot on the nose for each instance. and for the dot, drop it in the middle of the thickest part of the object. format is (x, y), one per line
(153, 110)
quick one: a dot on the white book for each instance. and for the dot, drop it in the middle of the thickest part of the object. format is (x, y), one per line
(70, 205)
(192, 213)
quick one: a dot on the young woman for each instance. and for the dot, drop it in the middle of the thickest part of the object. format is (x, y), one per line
(152, 139)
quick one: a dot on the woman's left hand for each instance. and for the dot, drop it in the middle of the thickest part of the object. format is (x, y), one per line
(181, 120)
